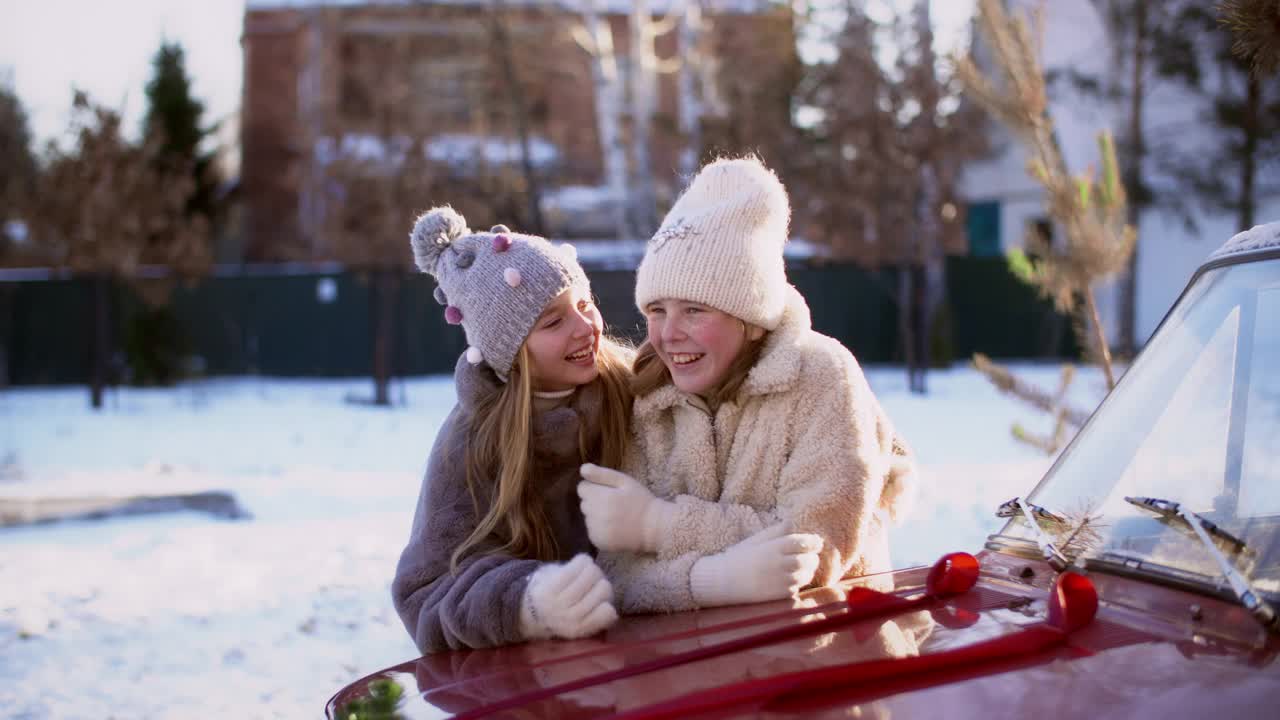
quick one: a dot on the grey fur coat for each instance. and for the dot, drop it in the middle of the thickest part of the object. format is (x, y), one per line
(479, 606)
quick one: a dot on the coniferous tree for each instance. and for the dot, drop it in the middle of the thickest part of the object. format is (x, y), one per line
(175, 118)
(1256, 27)
(1092, 210)
(173, 124)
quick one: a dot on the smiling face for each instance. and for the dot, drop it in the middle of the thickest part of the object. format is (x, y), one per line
(563, 343)
(697, 343)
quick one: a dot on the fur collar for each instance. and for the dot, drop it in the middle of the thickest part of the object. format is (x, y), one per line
(555, 432)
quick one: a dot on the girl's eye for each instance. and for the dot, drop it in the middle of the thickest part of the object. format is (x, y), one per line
(657, 311)
(551, 323)
(584, 305)
(692, 310)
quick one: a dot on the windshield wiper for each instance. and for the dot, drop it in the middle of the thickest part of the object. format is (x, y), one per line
(1033, 514)
(1210, 535)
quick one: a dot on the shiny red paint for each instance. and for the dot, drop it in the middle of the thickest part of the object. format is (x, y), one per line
(1072, 606)
(1151, 652)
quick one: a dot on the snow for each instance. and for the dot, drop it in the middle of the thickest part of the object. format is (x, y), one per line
(1257, 238)
(462, 148)
(612, 6)
(458, 149)
(184, 615)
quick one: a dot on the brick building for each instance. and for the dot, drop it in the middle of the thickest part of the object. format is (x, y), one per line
(456, 62)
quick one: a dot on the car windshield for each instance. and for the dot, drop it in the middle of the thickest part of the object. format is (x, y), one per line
(1195, 420)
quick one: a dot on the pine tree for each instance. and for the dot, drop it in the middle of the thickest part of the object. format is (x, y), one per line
(1256, 27)
(1092, 211)
(175, 118)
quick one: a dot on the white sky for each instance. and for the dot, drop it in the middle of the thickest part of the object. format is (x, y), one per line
(105, 48)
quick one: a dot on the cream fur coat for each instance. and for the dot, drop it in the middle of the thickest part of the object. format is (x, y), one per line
(806, 441)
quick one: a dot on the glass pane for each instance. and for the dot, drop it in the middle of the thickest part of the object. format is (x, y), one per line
(1260, 480)
(1185, 451)
(1195, 421)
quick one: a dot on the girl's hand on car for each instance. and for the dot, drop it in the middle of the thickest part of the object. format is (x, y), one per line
(772, 564)
(569, 600)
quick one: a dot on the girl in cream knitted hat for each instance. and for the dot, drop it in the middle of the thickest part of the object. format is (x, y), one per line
(498, 552)
(760, 461)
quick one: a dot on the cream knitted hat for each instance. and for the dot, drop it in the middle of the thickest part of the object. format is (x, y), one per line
(721, 244)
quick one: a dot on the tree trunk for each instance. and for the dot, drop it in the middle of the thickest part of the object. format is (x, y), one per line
(689, 104)
(906, 321)
(1249, 153)
(386, 292)
(1100, 337)
(643, 73)
(100, 337)
(1133, 181)
(515, 92)
(608, 106)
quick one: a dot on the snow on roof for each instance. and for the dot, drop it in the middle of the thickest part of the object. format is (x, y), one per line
(453, 148)
(611, 6)
(1259, 237)
(609, 254)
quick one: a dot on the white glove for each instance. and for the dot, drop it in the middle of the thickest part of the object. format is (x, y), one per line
(570, 600)
(621, 513)
(772, 564)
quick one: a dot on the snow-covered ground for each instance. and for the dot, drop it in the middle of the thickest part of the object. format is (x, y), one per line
(188, 616)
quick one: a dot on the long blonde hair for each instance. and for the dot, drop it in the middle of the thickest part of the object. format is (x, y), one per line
(500, 446)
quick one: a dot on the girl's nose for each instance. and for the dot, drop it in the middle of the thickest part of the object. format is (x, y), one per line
(584, 325)
(672, 329)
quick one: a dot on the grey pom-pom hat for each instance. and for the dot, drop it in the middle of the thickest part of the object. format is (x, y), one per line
(495, 284)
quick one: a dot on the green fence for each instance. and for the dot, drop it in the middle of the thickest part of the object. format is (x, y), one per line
(274, 322)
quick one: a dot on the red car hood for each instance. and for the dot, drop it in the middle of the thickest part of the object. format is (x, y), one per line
(1150, 652)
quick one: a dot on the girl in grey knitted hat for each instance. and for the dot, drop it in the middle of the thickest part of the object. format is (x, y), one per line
(498, 552)
(761, 462)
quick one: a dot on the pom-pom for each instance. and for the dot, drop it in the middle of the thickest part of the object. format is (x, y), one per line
(474, 356)
(440, 296)
(501, 243)
(512, 276)
(500, 229)
(453, 315)
(434, 231)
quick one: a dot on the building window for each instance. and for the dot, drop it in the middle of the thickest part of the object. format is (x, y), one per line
(982, 226)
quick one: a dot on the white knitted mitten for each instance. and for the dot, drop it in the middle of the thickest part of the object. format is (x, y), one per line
(769, 565)
(621, 513)
(569, 600)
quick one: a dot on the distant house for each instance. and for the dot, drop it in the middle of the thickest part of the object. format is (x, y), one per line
(300, 105)
(1003, 201)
